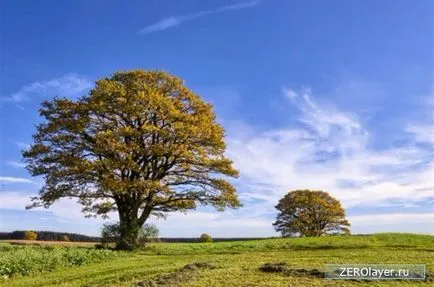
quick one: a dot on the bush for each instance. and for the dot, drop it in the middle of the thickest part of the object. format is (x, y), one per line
(148, 233)
(206, 238)
(110, 233)
(30, 235)
(100, 246)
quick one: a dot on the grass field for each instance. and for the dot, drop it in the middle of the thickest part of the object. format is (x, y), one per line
(237, 263)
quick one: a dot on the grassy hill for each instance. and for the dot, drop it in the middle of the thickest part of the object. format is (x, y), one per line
(233, 263)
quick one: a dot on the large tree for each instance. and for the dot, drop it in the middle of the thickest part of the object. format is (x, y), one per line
(310, 213)
(140, 143)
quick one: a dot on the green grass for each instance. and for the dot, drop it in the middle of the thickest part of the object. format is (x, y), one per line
(238, 262)
(24, 260)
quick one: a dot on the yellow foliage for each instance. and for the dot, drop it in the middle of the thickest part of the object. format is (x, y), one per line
(30, 235)
(140, 142)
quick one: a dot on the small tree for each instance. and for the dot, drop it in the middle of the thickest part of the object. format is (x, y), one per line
(65, 238)
(205, 238)
(30, 235)
(148, 233)
(310, 213)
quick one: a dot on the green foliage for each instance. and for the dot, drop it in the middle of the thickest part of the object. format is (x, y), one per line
(205, 238)
(310, 213)
(30, 235)
(140, 143)
(110, 233)
(27, 259)
(65, 238)
(147, 234)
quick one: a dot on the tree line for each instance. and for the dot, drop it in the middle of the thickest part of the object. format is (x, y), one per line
(47, 236)
(74, 237)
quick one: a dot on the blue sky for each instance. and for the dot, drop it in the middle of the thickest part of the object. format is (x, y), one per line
(332, 95)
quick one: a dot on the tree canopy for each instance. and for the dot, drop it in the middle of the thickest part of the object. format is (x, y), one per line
(205, 238)
(30, 235)
(310, 213)
(140, 143)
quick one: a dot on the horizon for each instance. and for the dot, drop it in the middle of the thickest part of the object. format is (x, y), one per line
(218, 238)
(339, 97)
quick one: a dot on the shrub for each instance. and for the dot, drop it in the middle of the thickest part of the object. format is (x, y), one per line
(30, 235)
(100, 246)
(110, 233)
(206, 238)
(148, 233)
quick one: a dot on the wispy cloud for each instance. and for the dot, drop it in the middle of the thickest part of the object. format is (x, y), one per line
(393, 218)
(22, 145)
(328, 150)
(16, 164)
(68, 85)
(175, 21)
(11, 179)
(14, 199)
(423, 133)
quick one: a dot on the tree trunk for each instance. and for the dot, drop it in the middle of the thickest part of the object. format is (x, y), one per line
(129, 227)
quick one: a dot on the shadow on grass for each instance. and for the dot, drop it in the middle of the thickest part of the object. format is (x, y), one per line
(188, 272)
(282, 268)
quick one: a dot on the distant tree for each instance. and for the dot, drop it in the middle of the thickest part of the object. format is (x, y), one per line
(310, 213)
(148, 233)
(206, 238)
(141, 143)
(30, 235)
(65, 238)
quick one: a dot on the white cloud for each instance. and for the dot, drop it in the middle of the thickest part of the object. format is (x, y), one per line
(392, 218)
(11, 179)
(174, 21)
(329, 150)
(16, 164)
(67, 210)
(393, 222)
(422, 133)
(14, 199)
(23, 145)
(217, 224)
(68, 85)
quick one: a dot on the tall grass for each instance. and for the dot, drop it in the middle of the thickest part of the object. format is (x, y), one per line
(26, 259)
